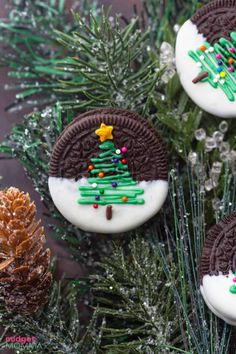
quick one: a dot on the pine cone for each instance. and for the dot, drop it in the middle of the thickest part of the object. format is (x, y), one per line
(24, 277)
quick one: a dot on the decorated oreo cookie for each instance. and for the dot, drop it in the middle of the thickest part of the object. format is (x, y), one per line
(218, 269)
(108, 171)
(206, 57)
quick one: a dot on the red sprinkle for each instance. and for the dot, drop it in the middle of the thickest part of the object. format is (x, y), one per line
(95, 206)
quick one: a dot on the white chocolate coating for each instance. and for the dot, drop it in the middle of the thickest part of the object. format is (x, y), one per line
(65, 194)
(219, 299)
(203, 94)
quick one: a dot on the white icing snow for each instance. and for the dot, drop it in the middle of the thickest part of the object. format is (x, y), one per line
(204, 95)
(65, 194)
(219, 299)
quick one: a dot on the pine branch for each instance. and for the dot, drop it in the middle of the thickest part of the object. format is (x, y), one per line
(135, 302)
(30, 49)
(164, 275)
(201, 330)
(110, 65)
(162, 15)
(116, 66)
(31, 143)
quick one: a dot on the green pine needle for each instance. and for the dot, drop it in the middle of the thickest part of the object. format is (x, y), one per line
(31, 51)
(135, 302)
(110, 65)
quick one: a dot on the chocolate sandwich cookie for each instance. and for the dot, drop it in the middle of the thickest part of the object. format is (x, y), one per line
(206, 57)
(108, 171)
(217, 269)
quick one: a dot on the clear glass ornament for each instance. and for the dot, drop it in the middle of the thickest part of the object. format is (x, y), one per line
(176, 28)
(210, 144)
(223, 126)
(193, 157)
(200, 134)
(218, 136)
(225, 156)
(167, 61)
(216, 167)
(224, 147)
(163, 97)
(210, 184)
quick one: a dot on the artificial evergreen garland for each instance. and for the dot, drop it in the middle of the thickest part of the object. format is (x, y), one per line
(143, 286)
(31, 50)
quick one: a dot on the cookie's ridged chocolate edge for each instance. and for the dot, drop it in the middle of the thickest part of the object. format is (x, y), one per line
(214, 5)
(218, 10)
(210, 263)
(113, 115)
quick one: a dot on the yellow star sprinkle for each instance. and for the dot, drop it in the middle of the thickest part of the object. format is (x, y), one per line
(104, 132)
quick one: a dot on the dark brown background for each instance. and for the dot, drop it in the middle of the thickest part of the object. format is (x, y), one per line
(11, 172)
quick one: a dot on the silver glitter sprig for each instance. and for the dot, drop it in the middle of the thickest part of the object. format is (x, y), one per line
(214, 160)
(167, 61)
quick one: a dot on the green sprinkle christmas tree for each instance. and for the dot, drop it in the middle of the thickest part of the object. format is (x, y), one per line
(110, 181)
(217, 64)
